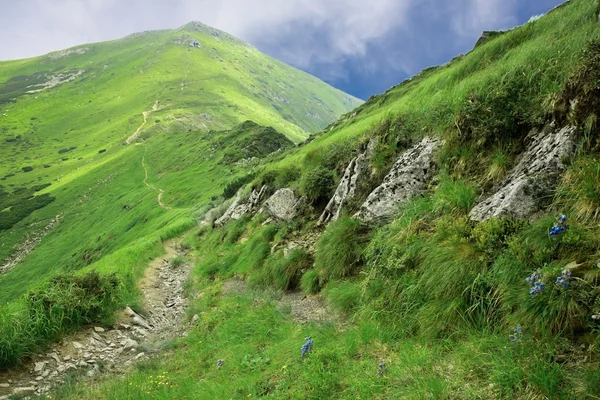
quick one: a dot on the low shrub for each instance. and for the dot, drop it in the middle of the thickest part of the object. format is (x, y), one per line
(317, 184)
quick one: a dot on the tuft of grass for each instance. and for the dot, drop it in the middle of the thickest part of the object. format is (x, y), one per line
(339, 249)
(580, 188)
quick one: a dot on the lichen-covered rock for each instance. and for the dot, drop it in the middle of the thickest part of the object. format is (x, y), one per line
(346, 190)
(239, 208)
(410, 176)
(532, 179)
(284, 205)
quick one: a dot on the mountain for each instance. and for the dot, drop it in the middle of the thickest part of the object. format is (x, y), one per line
(440, 240)
(77, 127)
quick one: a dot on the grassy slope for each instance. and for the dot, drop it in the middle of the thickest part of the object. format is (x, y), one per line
(437, 296)
(216, 86)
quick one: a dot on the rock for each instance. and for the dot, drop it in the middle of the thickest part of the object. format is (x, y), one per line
(195, 318)
(486, 36)
(78, 346)
(24, 390)
(533, 178)
(140, 356)
(409, 177)
(4, 385)
(283, 205)
(346, 190)
(137, 320)
(239, 208)
(94, 371)
(55, 357)
(39, 366)
(129, 344)
(130, 312)
(97, 337)
(98, 329)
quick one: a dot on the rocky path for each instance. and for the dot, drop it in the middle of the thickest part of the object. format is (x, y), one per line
(28, 245)
(152, 187)
(145, 114)
(133, 337)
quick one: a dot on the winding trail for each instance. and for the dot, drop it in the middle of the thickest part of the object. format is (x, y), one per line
(152, 187)
(134, 337)
(145, 114)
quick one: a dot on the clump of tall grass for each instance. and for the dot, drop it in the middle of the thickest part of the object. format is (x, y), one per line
(282, 272)
(66, 303)
(580, 188)
(339, 250)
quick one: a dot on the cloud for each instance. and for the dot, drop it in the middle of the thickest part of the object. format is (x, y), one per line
(369, 45)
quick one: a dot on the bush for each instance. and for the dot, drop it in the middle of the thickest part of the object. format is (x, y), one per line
(317, 184)
(232, 187)
(282, 272)
(339, 250)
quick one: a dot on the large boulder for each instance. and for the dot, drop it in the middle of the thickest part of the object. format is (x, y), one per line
(533, 178)
(346, 190)
(284, 205)
(239, 207)
(410, 176)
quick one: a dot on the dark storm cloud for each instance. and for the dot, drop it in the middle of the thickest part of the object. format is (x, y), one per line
(362, 47)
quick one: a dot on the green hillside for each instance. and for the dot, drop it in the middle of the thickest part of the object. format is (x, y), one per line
(427, 303)
(73, 118)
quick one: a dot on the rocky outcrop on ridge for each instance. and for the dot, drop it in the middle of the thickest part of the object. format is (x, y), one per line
(346, 190)
(239, 207)
(283, 205)
(532, 179)
(410, 176)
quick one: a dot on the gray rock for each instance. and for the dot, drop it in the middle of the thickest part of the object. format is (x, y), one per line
(346, 190)
(139, 321)
(195, 318)
(39, 366)
(533, 178)
(4, 385)
(239, 207)
(284, 205)
(129, 344)
(24, 390)
(409, 177)
(98, 329)
(78, 346)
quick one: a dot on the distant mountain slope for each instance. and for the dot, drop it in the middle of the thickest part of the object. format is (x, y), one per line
(76, 118)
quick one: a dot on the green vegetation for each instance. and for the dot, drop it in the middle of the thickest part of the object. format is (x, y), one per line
(442, 300)
(65, 304)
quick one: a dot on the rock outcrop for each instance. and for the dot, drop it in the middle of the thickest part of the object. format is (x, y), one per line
(532, 179)
(346, 190)
(239, 207)
(284, 205)
(410, 176)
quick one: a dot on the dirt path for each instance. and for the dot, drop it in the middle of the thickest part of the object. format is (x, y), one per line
(29, 244)
(134, 337)
(152, 187)
(145, 114)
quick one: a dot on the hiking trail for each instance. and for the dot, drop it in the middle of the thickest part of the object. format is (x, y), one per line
(135, 336)
(145, 114)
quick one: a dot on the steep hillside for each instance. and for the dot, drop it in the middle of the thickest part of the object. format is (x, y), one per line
(444, 238)
(439, 241)
(73, 118)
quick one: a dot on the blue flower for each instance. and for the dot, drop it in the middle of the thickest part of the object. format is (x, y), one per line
(563, 280)
(219, 363)
(559, 227)
(381, 369)
(536, 286)
(517, 334)
(306, 347)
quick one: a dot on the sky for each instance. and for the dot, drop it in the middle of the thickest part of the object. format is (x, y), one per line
(362, 47)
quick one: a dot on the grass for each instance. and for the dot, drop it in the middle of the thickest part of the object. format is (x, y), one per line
(431, 294)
